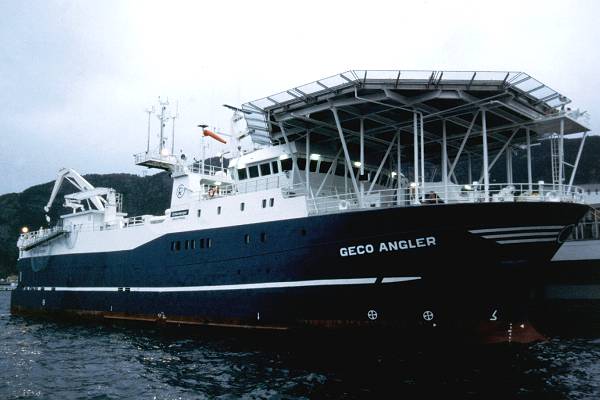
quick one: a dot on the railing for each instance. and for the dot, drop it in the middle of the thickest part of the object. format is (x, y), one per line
(206, 169)
(154, 156)
(437, 194)
(33, 237)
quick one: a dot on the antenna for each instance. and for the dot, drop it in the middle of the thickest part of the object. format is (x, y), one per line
(173, 132)
(163, 119)
(150, 111)
(236, 109)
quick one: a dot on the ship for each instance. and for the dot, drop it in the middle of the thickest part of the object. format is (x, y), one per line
(340, 209)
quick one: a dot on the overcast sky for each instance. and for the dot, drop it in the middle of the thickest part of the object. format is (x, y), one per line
(76, 76)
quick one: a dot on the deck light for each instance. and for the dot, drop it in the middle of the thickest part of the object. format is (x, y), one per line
(467, 187)
(284, 157)
(394, 173)
(357, 164)
(217, 183)
(413, 184)
(315, 156)
(164, 152)
(24, 229)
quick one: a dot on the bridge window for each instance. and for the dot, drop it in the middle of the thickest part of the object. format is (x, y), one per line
(242, 174)
(286, 165)
(274, 167)
(253, 170)
(324, 167)
(265, 169)
(313, 165)
(340, 170)
(301, 163)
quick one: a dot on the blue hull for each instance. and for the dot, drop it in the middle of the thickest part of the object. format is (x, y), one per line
(327, 271)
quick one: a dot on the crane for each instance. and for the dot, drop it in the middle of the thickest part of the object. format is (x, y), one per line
(86, 192)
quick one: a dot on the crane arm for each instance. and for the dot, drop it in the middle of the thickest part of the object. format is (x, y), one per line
(76, 180)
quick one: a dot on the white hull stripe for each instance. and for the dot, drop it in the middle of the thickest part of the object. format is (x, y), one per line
(525, 241)
(244, 286)
(518, 228)
(521, 235)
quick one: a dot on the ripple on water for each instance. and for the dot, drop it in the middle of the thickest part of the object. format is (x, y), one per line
(60, 360)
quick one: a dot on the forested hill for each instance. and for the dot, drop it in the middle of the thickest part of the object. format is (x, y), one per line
(151, 194)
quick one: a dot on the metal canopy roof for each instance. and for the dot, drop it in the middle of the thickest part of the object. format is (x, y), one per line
(386, 101)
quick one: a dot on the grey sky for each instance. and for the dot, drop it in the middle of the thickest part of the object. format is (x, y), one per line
(76, 76)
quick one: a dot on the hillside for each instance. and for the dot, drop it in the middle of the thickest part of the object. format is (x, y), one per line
(151, 194)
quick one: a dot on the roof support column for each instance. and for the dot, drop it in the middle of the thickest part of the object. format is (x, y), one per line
(561, 154)
(292, 154)
(387, 153)
(529, 178)
(422, 156)
(416, 158)
(444, 160)
(347, 155)
(307, 164)
(486, 175)
(502, 150)
(362, 159)
(574, 171)
(462, 144)
(398, 172)
(509, 172)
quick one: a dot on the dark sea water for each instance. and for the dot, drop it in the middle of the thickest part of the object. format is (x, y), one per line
(50, 360)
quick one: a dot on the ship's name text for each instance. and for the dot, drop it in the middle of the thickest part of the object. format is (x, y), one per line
(384, 247)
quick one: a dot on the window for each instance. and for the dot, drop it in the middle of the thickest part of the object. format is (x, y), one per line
(271, 202)
(263, 237)
(201, 243)
(209, 243)
(242, 206)
(193, 244)
(242, 174)
(301, 163)
(246, 238)
(286, 165)
(253, 170)
(177, 245)
(264, 203)
(313, 165)
(187, 244)
(324, 167)
(275, 167)
(199, 213)
(219, 210)
(172, 246)
(303, 232)
(265, 169)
